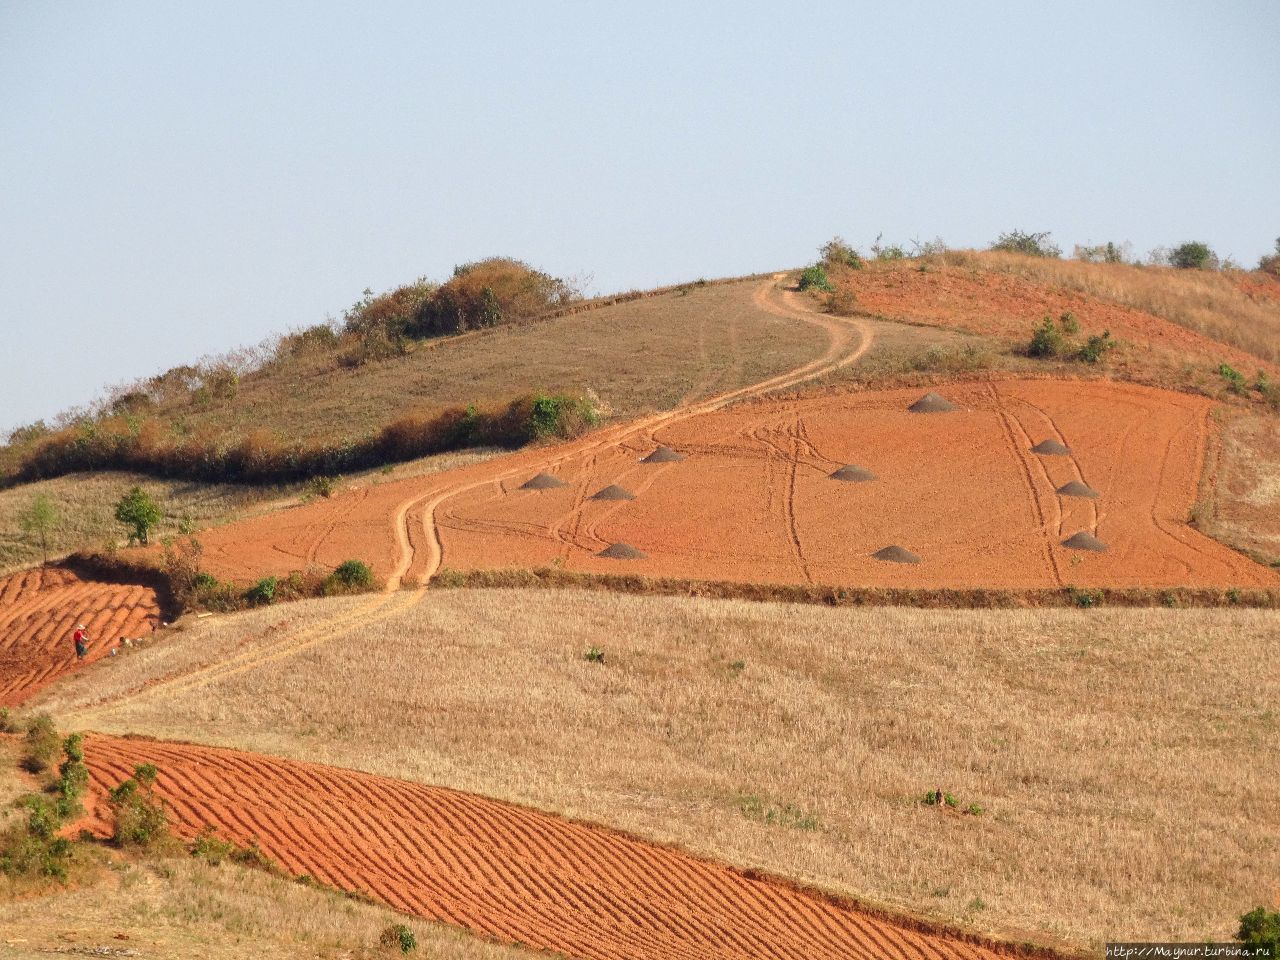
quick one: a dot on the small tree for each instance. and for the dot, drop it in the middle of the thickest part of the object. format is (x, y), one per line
(38, 521)
(138, 511)
(1260, 927)
(836, 252)
(1271, 262)
(1193, 255)
(815, 278)
(1030, 244)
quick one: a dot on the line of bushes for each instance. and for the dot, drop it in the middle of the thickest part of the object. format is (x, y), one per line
(831, 596)
(32, 848)
(125, 443)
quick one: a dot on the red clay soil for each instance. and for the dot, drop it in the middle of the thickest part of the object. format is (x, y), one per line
(1010, 307)
(39, 611)
(499, 870)
(754, 501)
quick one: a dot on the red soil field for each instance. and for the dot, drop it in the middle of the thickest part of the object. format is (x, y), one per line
(754, 501)
(39, 611)
(502, 871)
(1008, 306)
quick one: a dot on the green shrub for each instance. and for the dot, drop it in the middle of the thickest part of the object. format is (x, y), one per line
(1047, 341)
(1085, 598)
(398, 936)
(1193, 255)
(594, 655)
(1271, 262)
(1103, 253)
(835, 252)
(262, 593)
(73, 777)
(41, 744)
(887, 253)
(141, 820)
(815, 278)
(137, 511)
(32, 848)
(1029, 244)
(560, 416)
(350, 576)
(211, 848)
(1235, 379)
(1260, 927)
(1095, 349)
(323, 486)
(1068, 324)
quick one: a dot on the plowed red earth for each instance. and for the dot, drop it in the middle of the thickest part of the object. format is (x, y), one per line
(753, 500)
(503, 871)
(39, 611)
(753, 503)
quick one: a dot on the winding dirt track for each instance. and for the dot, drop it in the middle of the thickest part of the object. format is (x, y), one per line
(39, 610)
(503, 871)
(393, 526)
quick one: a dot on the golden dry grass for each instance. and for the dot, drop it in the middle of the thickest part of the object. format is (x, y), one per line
(179, 908)
(1208, 302)
(1241, 505)
(638, 356)
(1126, 760)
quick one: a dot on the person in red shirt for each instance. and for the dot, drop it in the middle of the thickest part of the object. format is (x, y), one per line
(82, 646)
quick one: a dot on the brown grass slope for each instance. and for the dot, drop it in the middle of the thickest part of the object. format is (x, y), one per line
(1124, 770)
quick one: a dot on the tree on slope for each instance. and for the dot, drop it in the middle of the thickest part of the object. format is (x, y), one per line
(38, 521)
(139, 512)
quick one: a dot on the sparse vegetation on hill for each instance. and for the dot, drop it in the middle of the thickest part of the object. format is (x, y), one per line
(641, 354)
(1193, 255)
(115, 444)
(1027, 244)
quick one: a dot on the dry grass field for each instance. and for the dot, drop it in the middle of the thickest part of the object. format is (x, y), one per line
(639, 356)
(1241, 499)
(1124, 761)
(177, 908)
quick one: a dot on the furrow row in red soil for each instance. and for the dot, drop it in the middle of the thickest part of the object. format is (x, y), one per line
(39, 612)
(502, 871)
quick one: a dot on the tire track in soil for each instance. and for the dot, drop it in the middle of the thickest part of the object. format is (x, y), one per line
(1021, 454)
(1070, 459)
(510, 873)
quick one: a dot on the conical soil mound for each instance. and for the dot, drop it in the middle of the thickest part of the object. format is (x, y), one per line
(1050, 448)
(613, 492)
(663, 455)
(1084, 541)
(1077, 489)
(543, 481)
(852, 473)
(896, 554)
(932, 403)
(622, 551)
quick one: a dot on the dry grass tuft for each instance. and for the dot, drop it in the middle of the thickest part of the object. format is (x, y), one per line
(178, 908)
(1125, 761)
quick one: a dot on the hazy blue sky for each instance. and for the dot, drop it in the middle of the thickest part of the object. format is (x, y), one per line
(177, 179)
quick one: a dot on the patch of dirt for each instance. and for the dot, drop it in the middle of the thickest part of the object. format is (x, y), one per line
(507, 872)
(39, 611)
